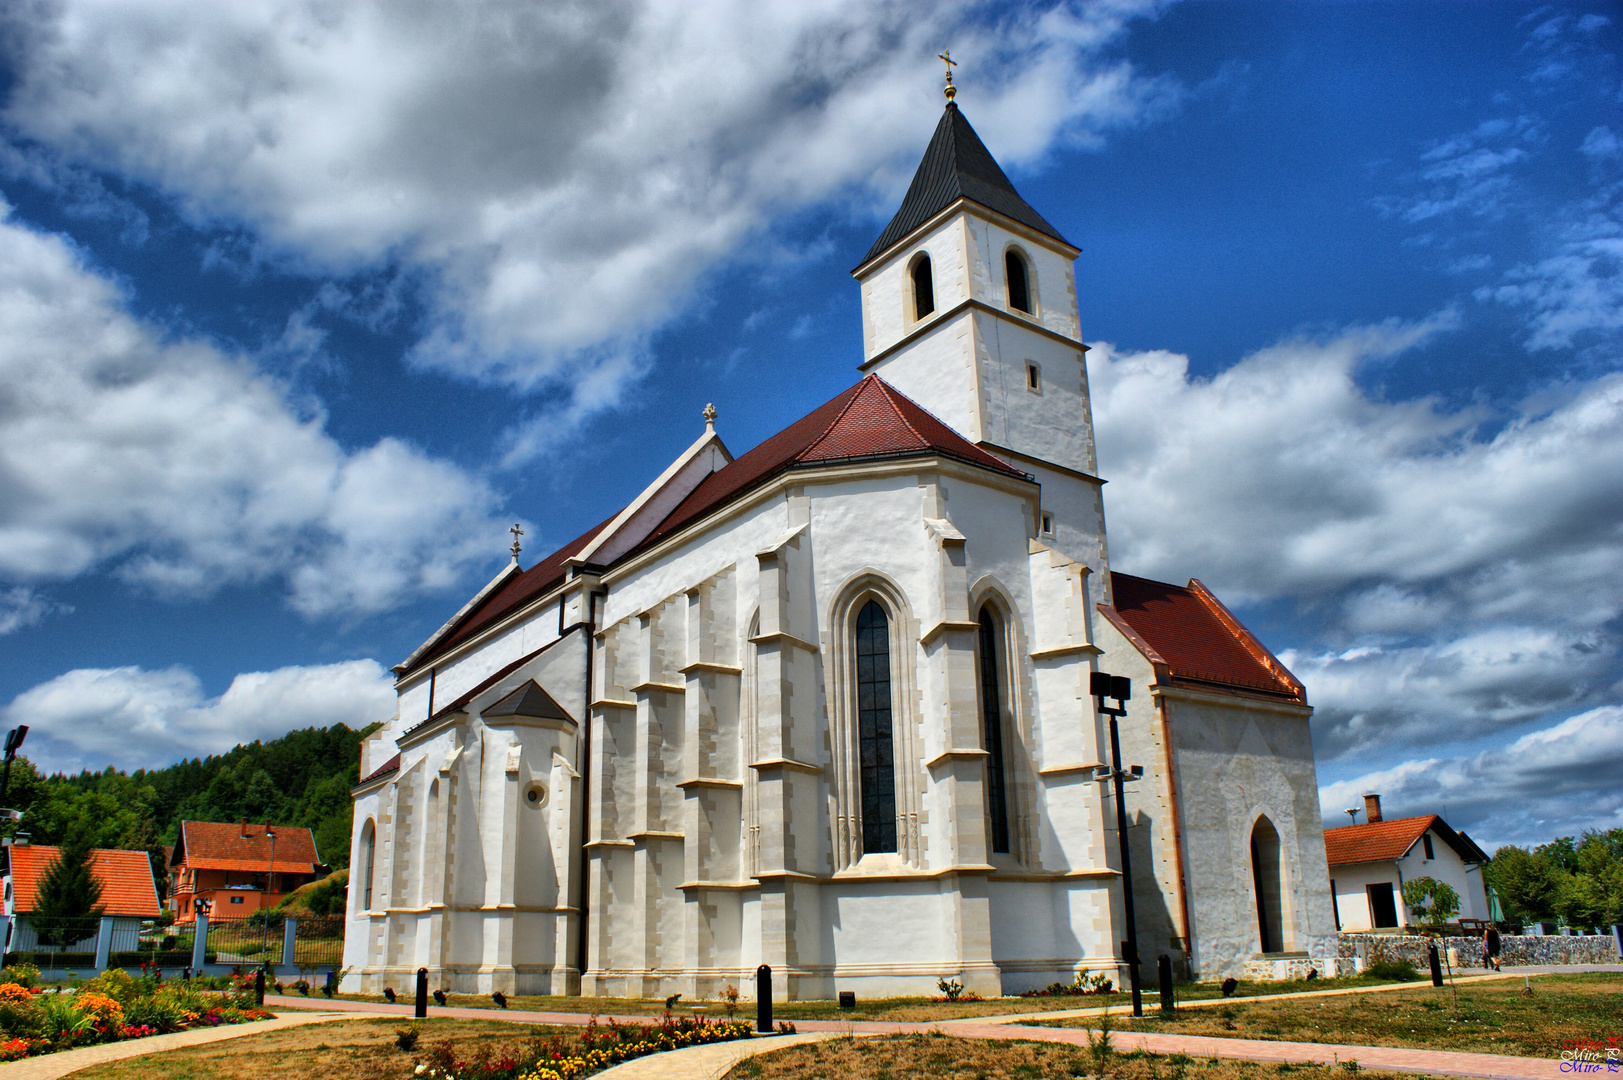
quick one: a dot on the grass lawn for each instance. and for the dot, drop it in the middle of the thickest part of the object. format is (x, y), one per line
(938, 1057)
(364, 1049)
(1496, 1017)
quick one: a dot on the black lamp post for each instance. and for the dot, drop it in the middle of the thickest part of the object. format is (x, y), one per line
(1120, 688)
(14, 743)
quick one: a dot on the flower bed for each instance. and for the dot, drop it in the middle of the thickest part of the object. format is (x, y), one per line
(598, 1047)
(110, 1008)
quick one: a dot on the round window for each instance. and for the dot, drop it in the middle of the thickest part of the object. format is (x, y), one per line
(536, 794)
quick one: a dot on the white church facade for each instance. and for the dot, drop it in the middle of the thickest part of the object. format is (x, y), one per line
(824, 705)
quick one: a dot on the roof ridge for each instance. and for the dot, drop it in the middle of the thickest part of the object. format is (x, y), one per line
(891, 394)
(855, 392)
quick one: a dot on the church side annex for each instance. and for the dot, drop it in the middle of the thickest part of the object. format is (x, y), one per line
(824, 705)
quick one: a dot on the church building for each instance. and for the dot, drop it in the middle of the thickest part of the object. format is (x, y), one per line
(824, 705)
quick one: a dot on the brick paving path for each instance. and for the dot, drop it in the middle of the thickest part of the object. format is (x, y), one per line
(51, 1066)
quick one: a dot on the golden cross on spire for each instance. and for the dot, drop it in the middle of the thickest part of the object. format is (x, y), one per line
(951, 63)
(517, 532)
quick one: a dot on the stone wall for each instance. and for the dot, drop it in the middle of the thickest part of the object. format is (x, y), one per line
(1367, 949)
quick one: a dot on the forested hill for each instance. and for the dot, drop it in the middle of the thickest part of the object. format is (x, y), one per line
(303, 778)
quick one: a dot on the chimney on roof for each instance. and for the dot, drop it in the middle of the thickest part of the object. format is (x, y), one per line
(20, 840)
(242, 828)
(1372, 808)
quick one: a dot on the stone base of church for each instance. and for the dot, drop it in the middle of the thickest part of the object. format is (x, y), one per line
(466, 979)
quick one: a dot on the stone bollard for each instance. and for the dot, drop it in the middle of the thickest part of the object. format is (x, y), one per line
(259, 987)
(1436, 964)
(200, 943)
(421, 1011)
(1163, 968)
(763, 999)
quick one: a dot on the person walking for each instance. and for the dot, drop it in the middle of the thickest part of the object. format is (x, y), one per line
(1490, 948)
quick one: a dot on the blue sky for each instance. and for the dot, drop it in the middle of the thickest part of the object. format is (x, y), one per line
(302, 306)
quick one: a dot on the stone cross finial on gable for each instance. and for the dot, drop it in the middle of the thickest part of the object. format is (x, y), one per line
(517, 532)
(710, 417)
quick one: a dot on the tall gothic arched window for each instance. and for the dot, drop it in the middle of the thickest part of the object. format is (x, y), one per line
(369, 845)
(997, 791)
(1014, 272)
(875, 747)
(923, 287)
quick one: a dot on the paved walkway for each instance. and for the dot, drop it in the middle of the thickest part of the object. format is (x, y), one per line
(709, 1062)
(51, 1066)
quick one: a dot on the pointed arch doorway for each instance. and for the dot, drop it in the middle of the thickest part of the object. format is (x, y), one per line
(1266, 876)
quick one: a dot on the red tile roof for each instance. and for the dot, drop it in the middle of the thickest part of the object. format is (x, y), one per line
(1384, 841)
(127, 887)
(214, 845)
(868, 421)
(392, 765)
(1196, 638)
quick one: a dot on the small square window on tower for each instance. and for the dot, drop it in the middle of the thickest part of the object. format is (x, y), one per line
(1034, 378)
(1048, 523)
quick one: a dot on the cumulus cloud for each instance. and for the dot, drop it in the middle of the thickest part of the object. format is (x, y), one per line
(131, 718)
(187, 470)
(559, 174)
(1462, 566)
(1555, 781)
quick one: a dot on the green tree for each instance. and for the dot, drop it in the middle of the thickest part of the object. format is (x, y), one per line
(1431, 901)
(68, 890)
(1529, 885)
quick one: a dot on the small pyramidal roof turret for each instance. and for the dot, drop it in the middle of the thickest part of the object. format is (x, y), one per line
(956, 166)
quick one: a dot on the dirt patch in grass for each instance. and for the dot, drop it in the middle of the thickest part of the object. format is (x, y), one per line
(364, 1049)
(1496, 1017)
(940, 1057)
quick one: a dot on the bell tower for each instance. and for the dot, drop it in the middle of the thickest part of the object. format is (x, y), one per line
(969, 307)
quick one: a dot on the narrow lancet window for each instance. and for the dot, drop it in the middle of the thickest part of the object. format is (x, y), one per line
(923, 288)
(369, 844)
(997, 797)
(875, 747)
(1015, 271)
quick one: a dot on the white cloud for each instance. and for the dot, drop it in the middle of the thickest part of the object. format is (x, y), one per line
(131, 718)
(1577, 290)
(561, 174)
(1555, 781)
(1465, 576)
(23, 607)
(187, 470)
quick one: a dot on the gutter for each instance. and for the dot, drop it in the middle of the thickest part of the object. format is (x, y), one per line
(590, 625)
(1177, 829)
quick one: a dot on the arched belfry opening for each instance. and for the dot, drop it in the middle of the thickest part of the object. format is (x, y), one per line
(1267, 875)
(1014, 272)
(923, 287)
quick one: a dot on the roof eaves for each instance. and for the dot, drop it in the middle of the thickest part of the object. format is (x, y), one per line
(456, 620)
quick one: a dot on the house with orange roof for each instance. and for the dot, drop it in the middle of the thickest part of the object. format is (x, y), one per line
(1370, 862)
(238, 868)
(129, 893)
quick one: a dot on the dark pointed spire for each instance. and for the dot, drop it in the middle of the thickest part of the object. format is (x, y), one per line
(956, 166)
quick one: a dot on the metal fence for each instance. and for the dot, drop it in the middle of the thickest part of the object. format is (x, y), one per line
(306, 943)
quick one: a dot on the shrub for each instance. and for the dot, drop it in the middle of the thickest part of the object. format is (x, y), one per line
(20, 972)
(21, 1017)
(115, 983)
(1392, 971)
(406, 1037)
(12, 993)
(99, 1007)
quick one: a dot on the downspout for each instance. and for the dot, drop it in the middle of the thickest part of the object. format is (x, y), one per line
(432, 672)
(590, 626)
(1177, 832)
